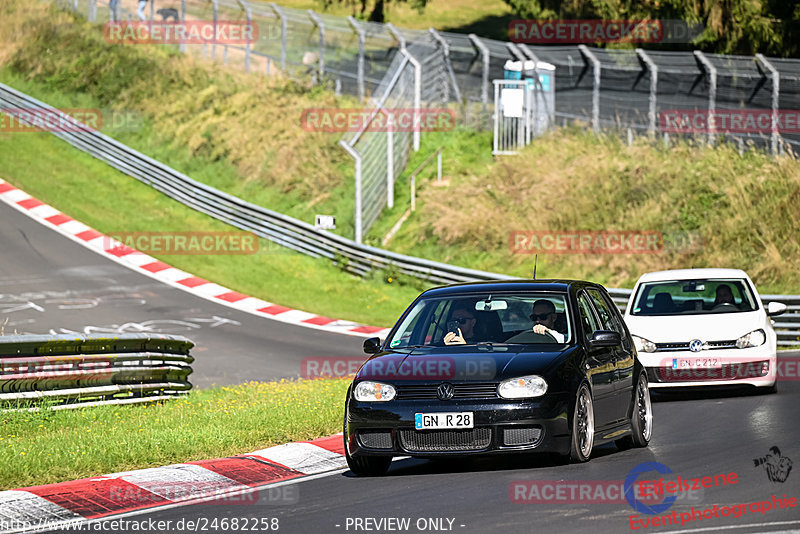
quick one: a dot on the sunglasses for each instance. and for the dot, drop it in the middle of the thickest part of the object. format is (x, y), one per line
(541, 316)
(463, 320)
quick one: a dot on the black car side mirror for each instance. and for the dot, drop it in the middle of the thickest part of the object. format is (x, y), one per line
(372, 345)
(605, 338)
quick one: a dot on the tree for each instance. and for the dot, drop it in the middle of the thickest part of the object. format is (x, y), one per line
(376, 8)
(731, 26)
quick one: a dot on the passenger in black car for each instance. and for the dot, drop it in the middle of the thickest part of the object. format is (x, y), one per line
(465, 316)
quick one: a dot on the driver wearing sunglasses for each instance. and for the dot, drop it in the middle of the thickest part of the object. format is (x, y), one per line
(544, 319)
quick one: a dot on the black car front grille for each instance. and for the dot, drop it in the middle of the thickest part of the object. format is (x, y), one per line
(473, 439)
(521, 436)
(487, 390)
(375, 439)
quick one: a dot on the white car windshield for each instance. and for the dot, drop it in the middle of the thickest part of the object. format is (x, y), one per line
(694, 297)
(505, 318)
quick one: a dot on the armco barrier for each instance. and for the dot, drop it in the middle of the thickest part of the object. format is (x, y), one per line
(69, 372)
(289, 232)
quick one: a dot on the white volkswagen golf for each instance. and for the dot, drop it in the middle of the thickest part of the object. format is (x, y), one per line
(703, 327)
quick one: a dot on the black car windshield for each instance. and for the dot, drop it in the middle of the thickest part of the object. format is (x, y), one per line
(694, 297)
(473, 319)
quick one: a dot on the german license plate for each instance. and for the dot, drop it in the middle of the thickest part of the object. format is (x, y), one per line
(439, 420)
(695, 363)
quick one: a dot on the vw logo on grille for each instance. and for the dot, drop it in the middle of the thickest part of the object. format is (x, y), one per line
(445, 391)
(695, 345)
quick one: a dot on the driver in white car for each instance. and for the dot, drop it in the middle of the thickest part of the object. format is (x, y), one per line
(724, 296)
(544, 319)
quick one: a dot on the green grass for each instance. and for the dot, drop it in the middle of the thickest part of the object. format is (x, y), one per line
(109, 201)
(54, 446)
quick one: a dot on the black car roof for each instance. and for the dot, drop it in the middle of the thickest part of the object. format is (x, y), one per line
(557, 285)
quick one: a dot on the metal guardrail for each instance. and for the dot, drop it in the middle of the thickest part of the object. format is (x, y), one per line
(73, 372)
(302, 237)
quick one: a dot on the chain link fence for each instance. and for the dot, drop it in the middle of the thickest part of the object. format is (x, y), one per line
(627, 91)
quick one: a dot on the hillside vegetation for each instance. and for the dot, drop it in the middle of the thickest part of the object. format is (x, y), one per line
(741, 212)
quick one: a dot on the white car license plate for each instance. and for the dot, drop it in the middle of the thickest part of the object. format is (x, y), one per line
(439, 420)
(695, 363)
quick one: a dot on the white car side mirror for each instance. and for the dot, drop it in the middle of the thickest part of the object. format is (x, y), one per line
(775, 308)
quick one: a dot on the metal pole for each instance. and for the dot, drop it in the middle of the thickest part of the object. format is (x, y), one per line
(92, 10)
(484, 51)
(249, 15)
(596, 66)
(215, 10)
(279, 12)
(389, 158)
(516, 53)
(495, 139)
(182, 46)
(448, 64)
(439, 166)
(711, 72)
(776, 91)
(653, 69)
(357, 215)
(321, 25)
(361, 40)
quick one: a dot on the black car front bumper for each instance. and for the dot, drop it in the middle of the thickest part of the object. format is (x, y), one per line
(500, 426)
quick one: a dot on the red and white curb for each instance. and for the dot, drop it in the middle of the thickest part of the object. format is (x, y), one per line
(162, 272)
(223, 481)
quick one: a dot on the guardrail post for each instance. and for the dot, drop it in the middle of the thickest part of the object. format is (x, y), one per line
(279, 12)
(485, 56)
(776, 91)
(321, 25)
(711, 73)
(361, 42)
(249, 16)
(448, 65)
(653, 69)
(357, 213)
(596, 66)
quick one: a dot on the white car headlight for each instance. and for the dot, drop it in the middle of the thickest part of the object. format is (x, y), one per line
(753, 339)
(523, 387)
(643, 344)
(368, 391)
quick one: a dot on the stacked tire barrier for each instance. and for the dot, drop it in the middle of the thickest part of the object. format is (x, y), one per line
(70, 372)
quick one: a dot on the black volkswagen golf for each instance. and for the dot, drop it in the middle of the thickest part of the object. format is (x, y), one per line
(499, 367)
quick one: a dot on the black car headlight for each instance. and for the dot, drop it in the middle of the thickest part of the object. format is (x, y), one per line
(523, 387)
(368, 391)
(753, 339)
